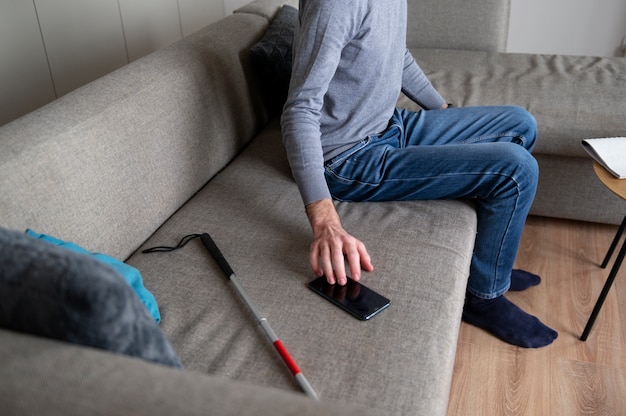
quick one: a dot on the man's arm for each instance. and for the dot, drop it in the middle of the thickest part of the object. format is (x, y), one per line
(417, 86)
(331, 243)
(322, 35)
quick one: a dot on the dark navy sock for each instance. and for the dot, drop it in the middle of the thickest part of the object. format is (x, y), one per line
(506, 321)
(522, 280)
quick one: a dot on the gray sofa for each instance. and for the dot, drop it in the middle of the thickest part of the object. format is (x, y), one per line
(182, 141)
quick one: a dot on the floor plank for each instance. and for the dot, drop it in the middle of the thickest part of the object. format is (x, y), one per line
(569, 377)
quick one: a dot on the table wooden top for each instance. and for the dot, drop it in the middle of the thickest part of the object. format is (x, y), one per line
(618, 186)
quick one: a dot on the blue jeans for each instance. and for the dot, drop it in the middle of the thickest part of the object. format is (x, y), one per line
(476, 153)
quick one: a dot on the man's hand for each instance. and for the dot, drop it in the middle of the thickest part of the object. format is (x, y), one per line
(331, 243)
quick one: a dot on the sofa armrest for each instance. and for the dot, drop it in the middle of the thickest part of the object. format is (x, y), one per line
(41, 376)
(458, 24)
(265, 8)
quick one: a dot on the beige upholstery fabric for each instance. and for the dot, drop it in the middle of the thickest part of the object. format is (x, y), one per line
(253, 211)
(178, 143)
(572, 98)
(458, 24)
(45, 377)
(106, 165)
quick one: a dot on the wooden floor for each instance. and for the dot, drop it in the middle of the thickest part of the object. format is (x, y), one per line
(569, 377)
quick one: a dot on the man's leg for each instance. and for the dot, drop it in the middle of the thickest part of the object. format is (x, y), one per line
(480, 154)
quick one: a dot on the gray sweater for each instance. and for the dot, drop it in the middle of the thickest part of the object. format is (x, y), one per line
(350, 64)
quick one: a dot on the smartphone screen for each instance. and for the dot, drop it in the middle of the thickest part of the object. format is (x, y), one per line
(355, 298)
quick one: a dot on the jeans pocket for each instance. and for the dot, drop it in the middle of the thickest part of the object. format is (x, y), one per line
(339, 159)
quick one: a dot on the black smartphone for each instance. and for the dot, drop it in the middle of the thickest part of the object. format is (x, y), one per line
(355, 298)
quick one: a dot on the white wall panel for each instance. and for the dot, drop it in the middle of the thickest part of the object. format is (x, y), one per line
(50, 47)
(149, 25)
(25, 81)
(580, 27)
(195, 14)
(84, 40)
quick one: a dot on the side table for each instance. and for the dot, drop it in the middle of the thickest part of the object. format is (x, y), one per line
(618, 186)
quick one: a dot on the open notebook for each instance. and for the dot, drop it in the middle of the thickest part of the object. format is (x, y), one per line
(610, 152)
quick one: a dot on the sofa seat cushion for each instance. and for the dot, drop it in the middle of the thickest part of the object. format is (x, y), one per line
(400, 362)
(587, 92)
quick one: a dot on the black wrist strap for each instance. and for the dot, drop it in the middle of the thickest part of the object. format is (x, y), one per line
(164, 249)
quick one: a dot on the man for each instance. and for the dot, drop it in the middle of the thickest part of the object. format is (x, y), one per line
(346, 140)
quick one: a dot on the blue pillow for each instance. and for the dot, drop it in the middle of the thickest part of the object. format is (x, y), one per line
(129, 273)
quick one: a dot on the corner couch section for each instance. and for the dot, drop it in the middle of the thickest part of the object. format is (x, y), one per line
(572, 98)
(182, 141)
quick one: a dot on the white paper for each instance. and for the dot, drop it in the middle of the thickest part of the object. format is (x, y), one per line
(610, 152)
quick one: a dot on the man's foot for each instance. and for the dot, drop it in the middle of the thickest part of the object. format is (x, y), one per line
(522, 280)
(506, 321)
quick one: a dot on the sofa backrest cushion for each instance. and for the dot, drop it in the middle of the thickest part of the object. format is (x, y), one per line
(107, 164)
(458, 24)
(444, 24)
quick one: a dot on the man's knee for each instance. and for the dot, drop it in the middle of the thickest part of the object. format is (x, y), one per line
(526, 169)
(527, 126)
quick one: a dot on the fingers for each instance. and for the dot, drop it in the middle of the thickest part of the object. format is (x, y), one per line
(364, 257)
(353, 257)
(329, 257)
(331, 243)
(314, 261)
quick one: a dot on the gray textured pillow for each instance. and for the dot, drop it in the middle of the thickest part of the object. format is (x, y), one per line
(272, 55)
(49, 291)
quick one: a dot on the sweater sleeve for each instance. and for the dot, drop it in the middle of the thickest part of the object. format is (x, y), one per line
(317, 53)
(417, 86)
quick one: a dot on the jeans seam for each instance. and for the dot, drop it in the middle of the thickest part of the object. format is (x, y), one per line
(513, 134)
(493, 293)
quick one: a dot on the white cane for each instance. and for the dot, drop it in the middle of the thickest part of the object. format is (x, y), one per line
(261, 320)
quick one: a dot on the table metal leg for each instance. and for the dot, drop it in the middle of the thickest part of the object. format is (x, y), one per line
(609, 253)
(609, 281)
